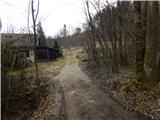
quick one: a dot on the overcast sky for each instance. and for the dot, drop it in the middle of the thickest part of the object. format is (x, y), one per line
(53, 14)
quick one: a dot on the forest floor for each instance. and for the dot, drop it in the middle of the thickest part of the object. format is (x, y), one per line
(122, 87)
(74, 96)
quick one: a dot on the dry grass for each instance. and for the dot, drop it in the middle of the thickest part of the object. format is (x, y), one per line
(41, 65)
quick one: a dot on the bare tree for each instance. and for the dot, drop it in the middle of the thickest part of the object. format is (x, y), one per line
(152, 40)
(139, 41)
(34, 18)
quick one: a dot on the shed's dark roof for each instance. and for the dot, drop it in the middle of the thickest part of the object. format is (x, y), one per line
(31, 47)
(23, 40)
(18, 39)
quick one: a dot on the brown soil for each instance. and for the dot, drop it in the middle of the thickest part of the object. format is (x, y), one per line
(77, 98)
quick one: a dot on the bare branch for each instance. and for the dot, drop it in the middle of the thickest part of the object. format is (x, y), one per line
(37, 11)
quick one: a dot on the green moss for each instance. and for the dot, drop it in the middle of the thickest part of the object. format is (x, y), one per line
(141, 86)
(131, 86)
(14, 73)
(140, 74)
(130, 72)
(143, 104)
(128, 86)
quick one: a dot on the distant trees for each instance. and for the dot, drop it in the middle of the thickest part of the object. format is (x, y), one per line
(56, 45)
(41, 35)
(78, 30)
(64, 31)
(66, 40)
(63, 34)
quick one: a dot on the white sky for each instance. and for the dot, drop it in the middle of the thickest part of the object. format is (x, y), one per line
(59, 12)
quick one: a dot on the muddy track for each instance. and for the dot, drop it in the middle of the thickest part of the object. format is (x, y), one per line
(84, 100)
(73, 96)
(62, 108)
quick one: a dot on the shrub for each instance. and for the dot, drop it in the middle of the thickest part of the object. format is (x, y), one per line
(12, 58)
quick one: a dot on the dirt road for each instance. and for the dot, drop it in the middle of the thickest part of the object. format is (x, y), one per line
(73, 96)
(84, 101)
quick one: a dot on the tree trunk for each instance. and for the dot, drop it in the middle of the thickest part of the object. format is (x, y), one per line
(152, 38)
(35, 44)
(139, 39)
(120, 46)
